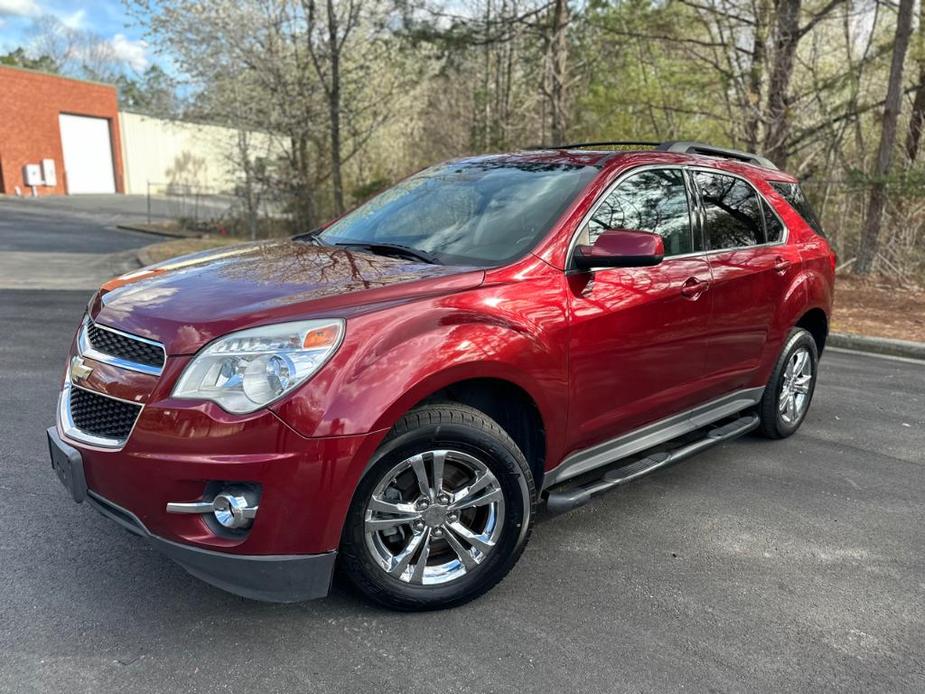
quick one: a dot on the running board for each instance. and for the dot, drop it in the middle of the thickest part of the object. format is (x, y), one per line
(573, 497)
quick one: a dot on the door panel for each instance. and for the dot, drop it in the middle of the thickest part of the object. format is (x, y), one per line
(746, 288)
(637, 346)
(638, 335)
(749, 278)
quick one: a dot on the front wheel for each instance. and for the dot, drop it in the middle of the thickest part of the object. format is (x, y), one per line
(789, 392)
(443, 513)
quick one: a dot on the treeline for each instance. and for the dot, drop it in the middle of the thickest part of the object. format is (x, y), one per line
(357, 93)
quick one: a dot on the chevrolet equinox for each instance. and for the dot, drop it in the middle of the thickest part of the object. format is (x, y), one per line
(397, 391)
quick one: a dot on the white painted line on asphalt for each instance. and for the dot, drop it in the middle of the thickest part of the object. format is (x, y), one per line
(889, 357)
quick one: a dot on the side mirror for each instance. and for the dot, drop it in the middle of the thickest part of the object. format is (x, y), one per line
(621, 248)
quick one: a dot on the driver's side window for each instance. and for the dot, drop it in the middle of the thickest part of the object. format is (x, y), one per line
(654, 201)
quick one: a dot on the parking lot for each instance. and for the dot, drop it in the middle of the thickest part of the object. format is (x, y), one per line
(758, 566)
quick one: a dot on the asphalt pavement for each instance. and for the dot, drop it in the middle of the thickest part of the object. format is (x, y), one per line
(796, 565)
(84, 224)
(68, 242)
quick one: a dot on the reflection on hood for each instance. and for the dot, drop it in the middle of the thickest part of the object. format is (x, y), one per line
(187, 301)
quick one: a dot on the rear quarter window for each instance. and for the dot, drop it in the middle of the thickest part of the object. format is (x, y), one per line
(774, 229)
(793, 193)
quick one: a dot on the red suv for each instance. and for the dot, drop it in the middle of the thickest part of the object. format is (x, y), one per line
(398, 390)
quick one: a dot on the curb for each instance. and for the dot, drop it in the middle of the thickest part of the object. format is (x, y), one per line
(877, 345)
(159, 231)
(144, 260)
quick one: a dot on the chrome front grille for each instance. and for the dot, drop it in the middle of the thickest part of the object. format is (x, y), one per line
(94, 418)
(115, 347)
(102, 416)
(124, 347)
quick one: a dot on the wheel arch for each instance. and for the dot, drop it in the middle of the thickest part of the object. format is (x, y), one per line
(491, 394)
(486, 394)
(512, 407)
(816, 322)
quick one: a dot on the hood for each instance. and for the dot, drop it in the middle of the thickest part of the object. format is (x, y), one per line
(186, 302)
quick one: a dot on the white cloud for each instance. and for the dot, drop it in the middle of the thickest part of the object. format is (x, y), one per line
(19, 8)
(134, 53)
(75, 20)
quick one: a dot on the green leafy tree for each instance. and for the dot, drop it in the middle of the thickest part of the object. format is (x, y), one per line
(18, 57)
(153, 93)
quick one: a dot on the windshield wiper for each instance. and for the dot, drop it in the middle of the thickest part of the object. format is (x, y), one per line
(310, 237)
(395, 249)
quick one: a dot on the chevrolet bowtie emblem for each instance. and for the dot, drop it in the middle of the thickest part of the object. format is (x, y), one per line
(79, 370)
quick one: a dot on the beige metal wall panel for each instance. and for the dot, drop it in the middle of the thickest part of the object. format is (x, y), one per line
(182, 154)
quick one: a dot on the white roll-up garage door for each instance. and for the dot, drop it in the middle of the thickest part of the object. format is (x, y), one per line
(87, 154)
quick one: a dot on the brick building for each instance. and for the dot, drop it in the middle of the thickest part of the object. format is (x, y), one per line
(67, 129)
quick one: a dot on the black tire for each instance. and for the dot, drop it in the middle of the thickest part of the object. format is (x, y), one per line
(773, 423)
(432, 427)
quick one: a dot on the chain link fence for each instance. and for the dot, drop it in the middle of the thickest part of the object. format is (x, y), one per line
(204, 209)
(190, 205)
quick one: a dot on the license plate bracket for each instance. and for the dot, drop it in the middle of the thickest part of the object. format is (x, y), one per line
(68, 465)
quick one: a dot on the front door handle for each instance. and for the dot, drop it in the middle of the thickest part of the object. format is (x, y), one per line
(781, 265)
(693, 288)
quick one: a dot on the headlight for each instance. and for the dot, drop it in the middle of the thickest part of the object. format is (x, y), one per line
(247, 370)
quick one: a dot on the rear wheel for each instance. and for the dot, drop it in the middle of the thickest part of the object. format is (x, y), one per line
(789, 392)
(443, 513)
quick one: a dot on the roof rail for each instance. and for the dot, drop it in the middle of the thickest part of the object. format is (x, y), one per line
(579, 145)
(683, 147)
(680, 147)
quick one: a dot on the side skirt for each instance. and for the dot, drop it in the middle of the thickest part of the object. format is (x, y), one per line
(651, 435)
(573, 497)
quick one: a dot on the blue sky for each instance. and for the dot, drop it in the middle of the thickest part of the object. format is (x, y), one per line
(108, 18)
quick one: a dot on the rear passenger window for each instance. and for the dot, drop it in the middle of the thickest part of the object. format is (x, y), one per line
(732, 211)
(654, 201)
(794, 195)
(774, 228)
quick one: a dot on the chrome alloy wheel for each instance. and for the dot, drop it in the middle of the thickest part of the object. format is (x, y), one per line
(434, 517)
(795, 386)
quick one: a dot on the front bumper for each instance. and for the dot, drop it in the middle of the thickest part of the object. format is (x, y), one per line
(180, 452)
(271, 578)
(287, 555)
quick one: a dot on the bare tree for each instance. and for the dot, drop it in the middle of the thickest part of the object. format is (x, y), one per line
(325, 39)
(870, 239)
(557, 50)
(787, 35)
(304, 71)
(917, 117)
(252, 73)
(76, 52)
(756, 72)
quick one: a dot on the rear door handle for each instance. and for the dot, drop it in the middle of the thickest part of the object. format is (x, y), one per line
(693, 288)
(781, 265)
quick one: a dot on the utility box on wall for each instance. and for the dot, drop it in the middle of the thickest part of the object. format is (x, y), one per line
(32, 174)
(49, 174)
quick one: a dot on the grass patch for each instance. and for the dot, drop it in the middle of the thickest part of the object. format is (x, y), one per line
(159, 252)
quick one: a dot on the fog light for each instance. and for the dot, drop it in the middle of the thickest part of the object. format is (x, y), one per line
(233, 510)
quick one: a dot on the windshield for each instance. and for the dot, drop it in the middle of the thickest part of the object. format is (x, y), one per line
(484, 212)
